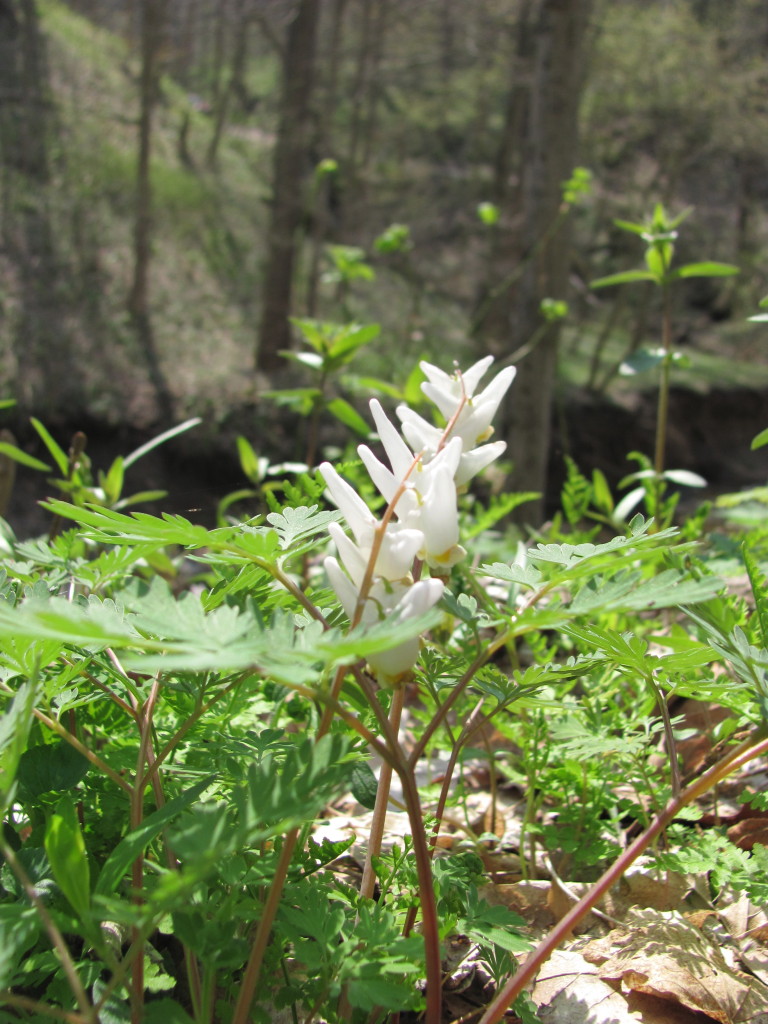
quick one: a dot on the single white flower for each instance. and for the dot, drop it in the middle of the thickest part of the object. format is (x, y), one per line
(455, 397)
(391, 665)
(398, 548)
(397, 602)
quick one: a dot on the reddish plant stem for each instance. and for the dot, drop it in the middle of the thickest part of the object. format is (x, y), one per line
(736, 759)
(376, 833)
(137, 869)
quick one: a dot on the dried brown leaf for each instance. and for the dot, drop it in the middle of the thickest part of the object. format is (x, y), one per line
(664, 955)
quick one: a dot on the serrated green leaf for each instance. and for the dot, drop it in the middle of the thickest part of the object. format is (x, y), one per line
(15, 723)
(759, 587)
(525, 575)
(294, 524)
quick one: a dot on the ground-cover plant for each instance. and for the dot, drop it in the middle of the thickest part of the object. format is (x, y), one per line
(167, 746)
(659, 233)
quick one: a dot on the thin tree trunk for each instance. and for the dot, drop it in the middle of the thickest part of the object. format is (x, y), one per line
(290, 167)
(549, 157)
(153, 15)
(152, 22)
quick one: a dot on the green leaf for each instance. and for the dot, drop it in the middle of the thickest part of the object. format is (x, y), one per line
(642, 361)
(294, 524)
(626, 277)
(658, 257)
(601, 492)
(706, 269)
(250, 463)
(15, 723)
(50, 767)
(488, 213)
(760, 440)
(351, 338)
(312, 360)
(165, 1011)
(129, 848)
(19, 927)
(60, 457)
(759, 591)
(364, 785)
(112, 482)
(21, 457)
(684, 477)
(349, 416)
(181, 428)
(65, 847)
(635, 229)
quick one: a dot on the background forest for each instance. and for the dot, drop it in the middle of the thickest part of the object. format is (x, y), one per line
(179, 177)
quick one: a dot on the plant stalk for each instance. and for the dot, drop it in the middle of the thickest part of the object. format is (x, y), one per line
(737, 758)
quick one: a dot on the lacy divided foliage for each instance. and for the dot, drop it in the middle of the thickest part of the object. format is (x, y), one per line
(181, 705)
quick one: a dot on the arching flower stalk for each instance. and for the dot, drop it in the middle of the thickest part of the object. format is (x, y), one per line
(377, 573)
(382, 560)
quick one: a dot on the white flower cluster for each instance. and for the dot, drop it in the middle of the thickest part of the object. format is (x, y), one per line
(421, 521)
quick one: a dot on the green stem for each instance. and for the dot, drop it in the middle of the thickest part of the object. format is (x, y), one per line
(737, 758)
(662, 413)
(669, 735)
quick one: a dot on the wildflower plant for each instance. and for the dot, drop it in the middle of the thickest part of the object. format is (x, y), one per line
(166, 746)
(382, 564)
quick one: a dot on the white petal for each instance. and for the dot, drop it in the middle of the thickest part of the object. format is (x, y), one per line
(354, 558)
(391, 665)
(419, 599)
(348, 501)
(398, 550)
(399, 454)
(386, 482)
(498, 387)
(346, 591)
(435, 375)
(472, 462)
(439, 515)
(418, 433)
(447, 401)
(474, 374)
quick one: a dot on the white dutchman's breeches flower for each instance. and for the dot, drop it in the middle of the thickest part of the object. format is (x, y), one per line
(420, 489)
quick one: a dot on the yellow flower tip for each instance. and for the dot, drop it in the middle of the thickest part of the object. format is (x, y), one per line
(485, 436)
(392, 682)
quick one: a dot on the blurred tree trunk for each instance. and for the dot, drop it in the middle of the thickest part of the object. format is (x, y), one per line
(553, 45)
(326, 206)
(291, 163)
(223, 93)
(153, 22)
(153, 17)
(25, 102)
